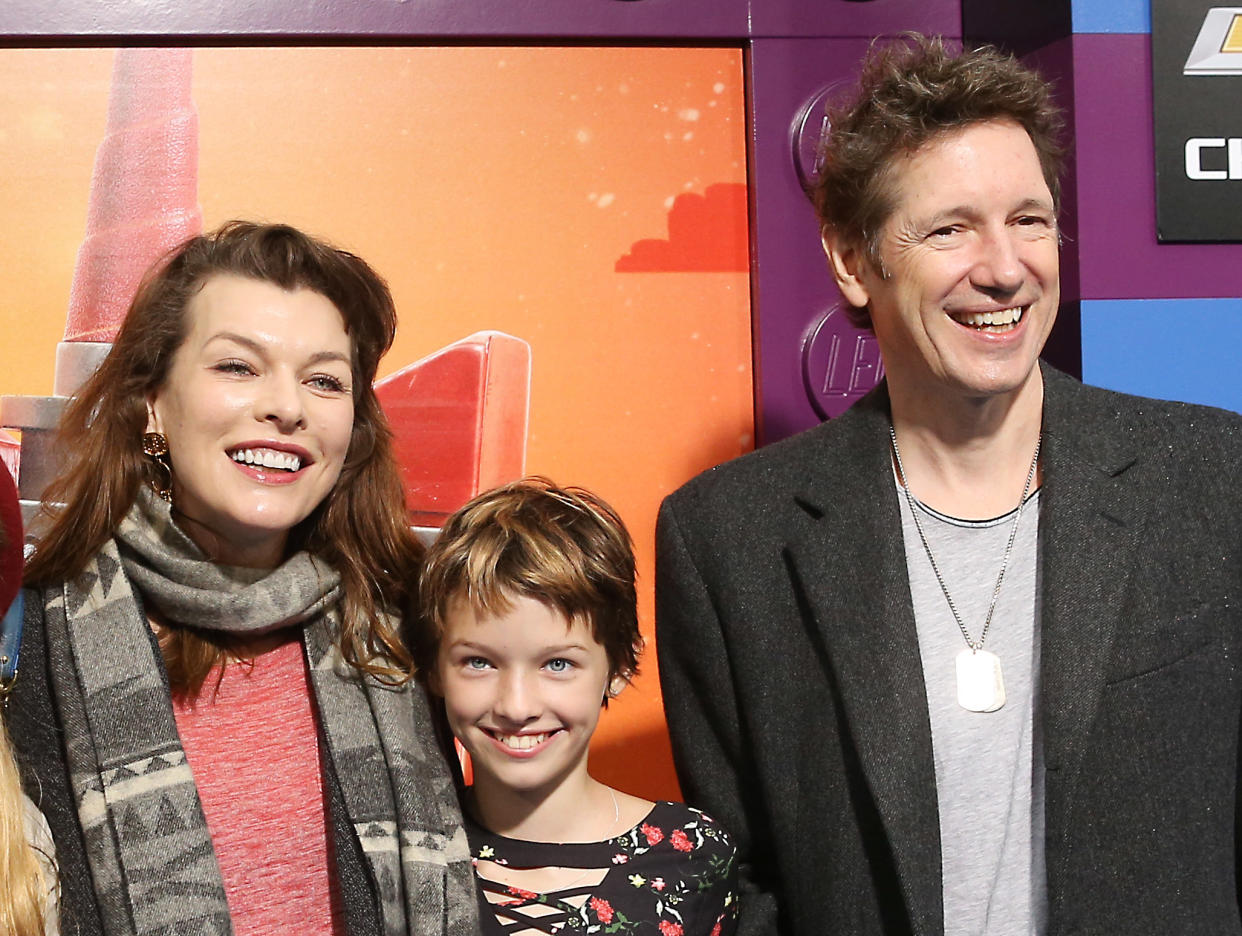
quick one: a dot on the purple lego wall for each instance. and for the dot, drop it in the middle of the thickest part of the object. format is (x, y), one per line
(1118, 255)
(1145, 306)
(679, 20)
(798, 307)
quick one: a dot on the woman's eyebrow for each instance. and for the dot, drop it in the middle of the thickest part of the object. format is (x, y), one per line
(259, 348)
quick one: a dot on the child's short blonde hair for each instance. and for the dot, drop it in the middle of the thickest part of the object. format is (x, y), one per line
(563, 547)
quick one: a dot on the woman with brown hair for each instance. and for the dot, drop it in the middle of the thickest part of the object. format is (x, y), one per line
(215, 701)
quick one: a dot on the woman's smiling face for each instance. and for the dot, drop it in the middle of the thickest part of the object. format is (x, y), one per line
(258, 410)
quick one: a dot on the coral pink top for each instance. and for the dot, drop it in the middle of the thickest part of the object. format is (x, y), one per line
(253, 746)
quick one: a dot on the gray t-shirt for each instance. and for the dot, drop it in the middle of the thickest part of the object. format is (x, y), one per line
(989, 766)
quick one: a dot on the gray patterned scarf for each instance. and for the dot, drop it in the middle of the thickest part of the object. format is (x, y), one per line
(147, 842)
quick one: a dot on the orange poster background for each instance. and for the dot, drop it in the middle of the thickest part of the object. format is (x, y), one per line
(496, 188)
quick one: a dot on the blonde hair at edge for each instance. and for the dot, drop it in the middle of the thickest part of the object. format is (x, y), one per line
(25, 885)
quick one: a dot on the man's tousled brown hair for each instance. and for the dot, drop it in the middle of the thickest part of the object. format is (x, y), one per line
(360, 528)
(564, 547)
(910, 91)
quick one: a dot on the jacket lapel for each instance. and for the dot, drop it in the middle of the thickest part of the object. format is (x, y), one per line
(850, 566)
(1089, 531)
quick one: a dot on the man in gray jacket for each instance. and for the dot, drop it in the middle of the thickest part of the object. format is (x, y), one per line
(965, 659)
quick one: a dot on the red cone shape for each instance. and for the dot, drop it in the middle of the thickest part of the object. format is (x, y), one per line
(144, 191)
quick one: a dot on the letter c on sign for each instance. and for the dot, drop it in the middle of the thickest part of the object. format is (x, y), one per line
(1194, 166)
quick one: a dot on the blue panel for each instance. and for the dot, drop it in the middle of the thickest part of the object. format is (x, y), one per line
(1111, 16)
(1172, 349)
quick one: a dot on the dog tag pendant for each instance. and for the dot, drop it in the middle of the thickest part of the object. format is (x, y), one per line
(980, 687)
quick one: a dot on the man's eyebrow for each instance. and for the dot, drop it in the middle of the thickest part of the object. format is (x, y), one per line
(1037, 204)
(939, 217)
(969, 213)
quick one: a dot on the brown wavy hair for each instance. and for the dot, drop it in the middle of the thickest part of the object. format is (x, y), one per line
(564, 547)
(910, 91)
(360, 528)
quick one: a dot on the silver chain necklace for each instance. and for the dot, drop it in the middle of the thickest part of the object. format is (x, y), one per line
(980, 684)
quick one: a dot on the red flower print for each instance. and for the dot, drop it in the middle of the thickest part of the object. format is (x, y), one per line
(668, 928)
(603, 909)
(716, 929)
(655, 835)
(619, 858)
(658, 884)
(679, 840)
(524, 894)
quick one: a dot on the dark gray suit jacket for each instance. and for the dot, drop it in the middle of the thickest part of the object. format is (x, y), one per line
(795, 698)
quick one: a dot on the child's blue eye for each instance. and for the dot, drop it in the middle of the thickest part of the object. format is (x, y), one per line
(559, 665)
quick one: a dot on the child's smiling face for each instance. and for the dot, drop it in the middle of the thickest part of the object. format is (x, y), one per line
(523, 691)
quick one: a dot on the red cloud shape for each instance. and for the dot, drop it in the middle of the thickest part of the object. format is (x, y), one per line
(707, 233)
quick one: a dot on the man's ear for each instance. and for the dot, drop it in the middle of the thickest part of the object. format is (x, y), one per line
(847, 261)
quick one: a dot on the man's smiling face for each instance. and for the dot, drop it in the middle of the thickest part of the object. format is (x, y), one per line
(970, 285)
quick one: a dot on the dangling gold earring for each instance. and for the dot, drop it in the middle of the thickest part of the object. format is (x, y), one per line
(155, 447)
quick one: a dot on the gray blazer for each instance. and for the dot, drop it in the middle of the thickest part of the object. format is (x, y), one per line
(794, 691)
